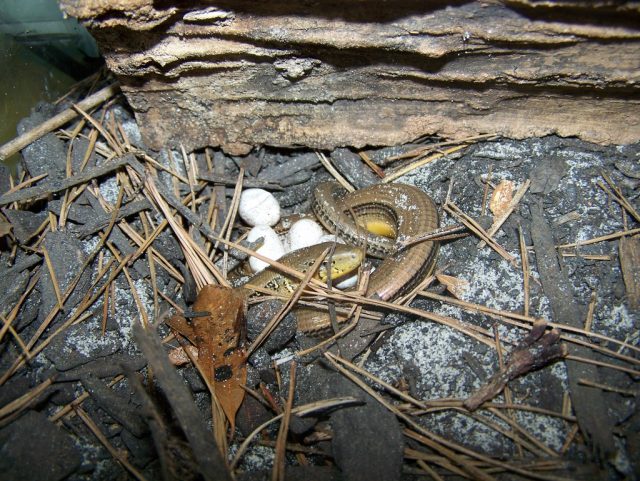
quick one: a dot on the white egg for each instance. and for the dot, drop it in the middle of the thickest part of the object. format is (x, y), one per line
(348, 282)
(304, 233)
(259, 207)
(271, 248)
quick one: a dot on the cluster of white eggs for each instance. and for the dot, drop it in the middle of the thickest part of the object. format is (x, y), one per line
(261, 210)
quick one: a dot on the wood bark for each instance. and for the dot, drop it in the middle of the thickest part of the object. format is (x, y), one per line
(325, 74)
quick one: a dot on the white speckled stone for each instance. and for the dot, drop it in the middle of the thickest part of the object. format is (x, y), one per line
(304, 233)
(272, 247)
(259, 207)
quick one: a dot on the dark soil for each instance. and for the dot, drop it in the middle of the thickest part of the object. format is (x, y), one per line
(91, 357)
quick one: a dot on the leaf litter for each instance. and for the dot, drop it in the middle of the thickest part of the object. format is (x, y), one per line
(531, 424)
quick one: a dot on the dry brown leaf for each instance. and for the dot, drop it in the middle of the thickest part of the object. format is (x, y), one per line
(501, 197)
(629, 262)
(454, 285)
(218, 337)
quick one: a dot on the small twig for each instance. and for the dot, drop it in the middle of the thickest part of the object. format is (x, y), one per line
(246, 182)
(117, 454)
(20, 142)
(333, 171)
(59, 185)
(538, 349)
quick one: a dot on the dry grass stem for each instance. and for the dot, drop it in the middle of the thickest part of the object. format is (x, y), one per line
(595, 240)
(303, 410)
(278, 473)
(390, 177)
(455, 211)
(591, 311)
(21, 403)
(13, 314)
(606, 387)
(376, 169)
(227, 227)
(633, 372)
(618, 196)
(440, 444)
(426, 149)
(78, 316)
(201, 267)
(526, 271)
(485, 191)
(509, 317)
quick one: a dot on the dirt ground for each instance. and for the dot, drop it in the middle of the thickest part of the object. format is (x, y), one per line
(575, 418)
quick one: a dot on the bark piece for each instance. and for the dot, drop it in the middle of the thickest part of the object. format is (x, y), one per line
(328, 74)
(629, 262)
(207, 455)
(589, 404)
(367, 440)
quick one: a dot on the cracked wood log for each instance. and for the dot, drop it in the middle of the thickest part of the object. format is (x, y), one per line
(325, 73)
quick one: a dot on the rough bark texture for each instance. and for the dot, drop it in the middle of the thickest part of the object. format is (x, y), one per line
(326, 73)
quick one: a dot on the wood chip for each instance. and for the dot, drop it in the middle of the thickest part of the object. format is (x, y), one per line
(501, 197)
(629, 262)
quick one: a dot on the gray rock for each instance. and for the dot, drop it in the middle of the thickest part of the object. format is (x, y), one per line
(34, 448)
(258, 317)
(47, 155)
(367, 439)
(117, 405)
(353, 168)
(24, 222)
(67, 258)
(80, 344)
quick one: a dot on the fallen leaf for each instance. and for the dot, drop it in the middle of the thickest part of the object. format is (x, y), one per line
(217, 331)
(501, 197)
